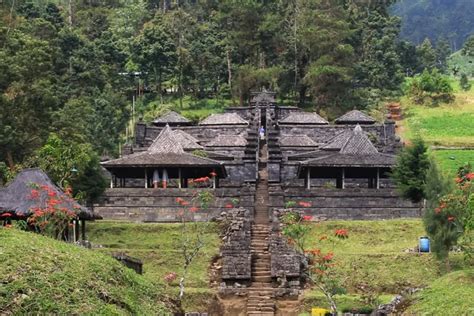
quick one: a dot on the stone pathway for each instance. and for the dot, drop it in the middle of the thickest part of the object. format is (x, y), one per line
(260, 299)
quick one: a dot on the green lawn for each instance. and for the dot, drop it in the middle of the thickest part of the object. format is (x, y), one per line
(448, 124)
(44, 276)
(451, 160)
(452, 294)
(158, 245)
(374, 257)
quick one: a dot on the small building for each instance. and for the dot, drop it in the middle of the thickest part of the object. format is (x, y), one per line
(306, 118)
(224, 119)
(17, 201)
(172, 119)
(165, 162)
(350, 155)
(355, 117)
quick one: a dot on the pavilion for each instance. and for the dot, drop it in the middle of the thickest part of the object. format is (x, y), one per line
(349, 154)
(164, 160)
(16, 201)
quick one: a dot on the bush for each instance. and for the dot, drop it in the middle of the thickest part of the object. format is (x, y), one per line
(429, 87)
(464, 82)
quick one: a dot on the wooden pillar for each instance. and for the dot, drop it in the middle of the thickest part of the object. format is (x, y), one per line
(180, 185)
(112, 182)
(83, 229)
(146, 179)
(308, 179)
(214, 182)
(343, 177)
(377, 180)
(76, 230)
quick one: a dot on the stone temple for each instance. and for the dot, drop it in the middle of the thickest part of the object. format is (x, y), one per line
(341, 169)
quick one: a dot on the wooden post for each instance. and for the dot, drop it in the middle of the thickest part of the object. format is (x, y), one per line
(179, 178)
(146, 179)
(343, 176)
(112, 182)
(83, 229)
(214, 182)
(377, 180)
(308, 179)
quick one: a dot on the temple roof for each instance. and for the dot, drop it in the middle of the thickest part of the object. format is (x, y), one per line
(354, 149)
(224, 119)
(263, 96)
(228, 141)
(303, 118)
(172, 118)
(187, 141)
(16, 197)
(297, 141)
(355, 117)
(165, 151)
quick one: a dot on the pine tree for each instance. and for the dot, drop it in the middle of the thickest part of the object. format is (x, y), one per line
(464, 82)
(410, 171)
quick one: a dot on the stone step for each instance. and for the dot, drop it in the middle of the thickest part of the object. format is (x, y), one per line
(260, 269)
(260, 309)
(260, 284)
(259, 278)
(253, 313)
(261, 273)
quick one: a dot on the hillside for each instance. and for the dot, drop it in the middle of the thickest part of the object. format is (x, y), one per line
(435, 19)
(45, 276)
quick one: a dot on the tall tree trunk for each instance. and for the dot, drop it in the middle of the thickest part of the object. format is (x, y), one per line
(229, 73)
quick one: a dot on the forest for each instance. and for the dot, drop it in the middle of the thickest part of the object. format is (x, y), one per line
(76, 75)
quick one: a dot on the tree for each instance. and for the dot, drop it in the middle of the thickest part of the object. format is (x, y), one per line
(464, 82)
(443, 51)
(446, 221)
(410, 171)
(429, 87)
(426, 55)
(468, 48)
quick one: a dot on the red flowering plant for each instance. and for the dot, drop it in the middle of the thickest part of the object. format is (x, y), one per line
(297, 228)
(191, 239)
(52, 214)
(450, 221)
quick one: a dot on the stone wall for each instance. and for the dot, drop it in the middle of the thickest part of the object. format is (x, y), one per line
(235, 250)
(160, 205)
(346, 204)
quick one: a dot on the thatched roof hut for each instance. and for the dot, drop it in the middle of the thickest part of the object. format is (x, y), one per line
(299, 118)
(171, 118)
(355, 117)
(224, 119)
(16, 198)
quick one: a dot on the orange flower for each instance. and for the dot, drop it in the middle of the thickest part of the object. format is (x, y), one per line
(470, 176)
(193, 209)
(307, 217)
(304, 204)
(34, 194)
(213, 174)
(179, 200)
(328, 257)
(451, 218)
(228, 205)
(437, 210)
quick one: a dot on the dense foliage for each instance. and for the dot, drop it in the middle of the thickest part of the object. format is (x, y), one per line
(436, 19)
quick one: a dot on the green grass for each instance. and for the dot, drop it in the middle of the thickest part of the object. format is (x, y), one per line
(451, 160)
(158, 246)
(448, 124)
(374, 257)
(451, 294)
(44, 276)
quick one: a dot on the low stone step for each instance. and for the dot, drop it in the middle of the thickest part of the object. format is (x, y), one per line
(262, 273)
(260, 284)
(260, 309)
(260, 269)
(260, 278)
(253, 313)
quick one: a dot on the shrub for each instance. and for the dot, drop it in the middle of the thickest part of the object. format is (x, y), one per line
(429, 87)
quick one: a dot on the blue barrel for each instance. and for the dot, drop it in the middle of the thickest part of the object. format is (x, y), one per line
(424, 244)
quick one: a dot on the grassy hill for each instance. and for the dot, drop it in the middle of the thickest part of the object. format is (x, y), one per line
(449, 295)
(158, 246)
(44, 276)
(374, 264)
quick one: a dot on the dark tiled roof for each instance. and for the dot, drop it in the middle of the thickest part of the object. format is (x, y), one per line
(351, 160)
(166, 151)
(354, 149)
(228, 141)
(354, 117)
(224, 119)
(186, 141)
(16, 198)
(171, 118)
(303, 118)
(263, 97)
(297, 141)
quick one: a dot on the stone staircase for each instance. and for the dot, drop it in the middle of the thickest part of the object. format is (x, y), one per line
(260, 299)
